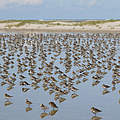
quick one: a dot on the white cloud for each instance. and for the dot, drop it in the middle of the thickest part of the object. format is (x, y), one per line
(4, 3)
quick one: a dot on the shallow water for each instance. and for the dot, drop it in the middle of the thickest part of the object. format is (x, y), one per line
(58, 62)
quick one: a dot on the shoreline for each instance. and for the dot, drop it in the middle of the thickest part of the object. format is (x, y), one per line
(57, 30)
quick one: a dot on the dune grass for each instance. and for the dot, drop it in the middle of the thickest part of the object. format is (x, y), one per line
(95, 22)
(23, 22)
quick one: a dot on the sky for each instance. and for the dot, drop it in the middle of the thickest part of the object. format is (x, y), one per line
(59, 9)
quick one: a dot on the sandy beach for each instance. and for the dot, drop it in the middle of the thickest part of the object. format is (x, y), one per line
(61, 26)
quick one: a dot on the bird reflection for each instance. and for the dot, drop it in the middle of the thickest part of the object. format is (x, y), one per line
(113, 88)
(53, 112)
(105, 92)
(44, 114)
(10, 87)
(7, 103)
(119, 101)
(96, 118)
(28, 109)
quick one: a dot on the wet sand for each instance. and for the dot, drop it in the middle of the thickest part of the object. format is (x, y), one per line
(57, 30)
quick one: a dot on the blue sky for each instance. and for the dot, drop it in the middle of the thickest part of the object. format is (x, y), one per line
(59, 9)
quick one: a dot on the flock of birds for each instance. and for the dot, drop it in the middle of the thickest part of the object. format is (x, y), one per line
(59, 63)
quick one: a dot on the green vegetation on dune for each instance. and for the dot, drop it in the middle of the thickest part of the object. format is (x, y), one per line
(26, 21)
(23, 22)
(9, 21)
(52, 22)
(95, 22)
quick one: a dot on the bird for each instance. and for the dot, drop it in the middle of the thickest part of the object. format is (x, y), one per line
(43, 107)
(74, 95)
(95, 110)
(25, 89)
(24, 83)
(105, 86)
(7, 96)
(7, 103)
(28, 102)
(53, 105)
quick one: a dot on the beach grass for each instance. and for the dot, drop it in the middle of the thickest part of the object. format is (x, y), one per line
(95, 22)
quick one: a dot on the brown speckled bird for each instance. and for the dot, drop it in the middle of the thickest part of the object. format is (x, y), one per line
(95, 110)
(28, 102)
(53, 105)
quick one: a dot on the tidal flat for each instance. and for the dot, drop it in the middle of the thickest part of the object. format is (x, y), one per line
(59, 76)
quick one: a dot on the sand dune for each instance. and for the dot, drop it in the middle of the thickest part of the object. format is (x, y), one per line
(61, 26)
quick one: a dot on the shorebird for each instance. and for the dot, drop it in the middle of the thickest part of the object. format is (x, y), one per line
(105, 86)
(61, 99)
(7, 103)
(7, 96)
(25, 89)
(43, 107)
(24, 83)
(74, 95)
(28, 102)
(52, 104)
(95, 110)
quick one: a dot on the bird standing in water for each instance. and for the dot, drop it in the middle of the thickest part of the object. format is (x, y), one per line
(53, 105)
(7, 96)
(105, 86)
(43, 107)
(95, 110)
(28, 102)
